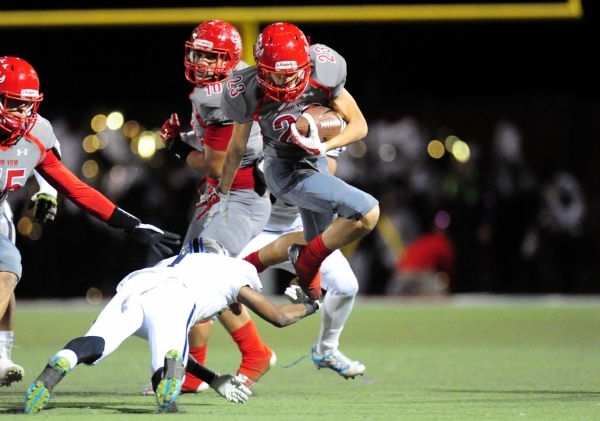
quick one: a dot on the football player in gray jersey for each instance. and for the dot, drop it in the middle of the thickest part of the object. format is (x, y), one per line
(338, 280)
(27, 142)
(212, 53)
(289, 76)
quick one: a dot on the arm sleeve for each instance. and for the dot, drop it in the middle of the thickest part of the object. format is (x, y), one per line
(67, 184)
(44, 186)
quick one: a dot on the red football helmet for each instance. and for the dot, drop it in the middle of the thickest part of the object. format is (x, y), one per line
(212, 37)
(19, 98)
(282, 50)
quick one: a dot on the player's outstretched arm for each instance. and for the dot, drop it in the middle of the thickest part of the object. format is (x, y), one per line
(278, 315)
(97, 205)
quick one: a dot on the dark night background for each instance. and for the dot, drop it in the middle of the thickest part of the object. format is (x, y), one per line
(540, 75)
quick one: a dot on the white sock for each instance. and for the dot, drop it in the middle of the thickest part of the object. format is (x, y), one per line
(7, 337)
(334, 313)
(68, 354)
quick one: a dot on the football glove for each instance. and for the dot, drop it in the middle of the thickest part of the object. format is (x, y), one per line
(144, 233)
(44, 206)
(170, 130)
(170, 134)
(311, 144)
(213, 202)
(231, 388)
(155, 237)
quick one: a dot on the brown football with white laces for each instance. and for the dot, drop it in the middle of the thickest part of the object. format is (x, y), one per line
(328, 121)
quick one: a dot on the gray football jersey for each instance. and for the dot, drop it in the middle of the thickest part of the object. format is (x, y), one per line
(17, 162)
(206, 109)
(244, 100)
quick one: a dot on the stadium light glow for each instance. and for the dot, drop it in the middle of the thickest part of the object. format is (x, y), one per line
(115, 120)
(98, 123)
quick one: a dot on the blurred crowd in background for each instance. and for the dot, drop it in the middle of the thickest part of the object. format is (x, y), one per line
(458, 215)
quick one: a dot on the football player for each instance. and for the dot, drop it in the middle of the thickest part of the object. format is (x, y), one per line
(27, 142)
(290, 75)
(284, 229)
(212, 53)
(199, 283)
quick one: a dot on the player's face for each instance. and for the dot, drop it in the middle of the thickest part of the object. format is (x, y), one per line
(284, 80)
(206, 62)
(17, 107)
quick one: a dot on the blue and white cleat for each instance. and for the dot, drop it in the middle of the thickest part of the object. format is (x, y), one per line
(38, 394)
(339, 363)
(170, 386)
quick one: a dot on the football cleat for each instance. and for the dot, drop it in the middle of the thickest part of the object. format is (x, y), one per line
(339, 363)
(9, 371)
(38, 394)
(248, 382)
(170, 386)
(309, 275)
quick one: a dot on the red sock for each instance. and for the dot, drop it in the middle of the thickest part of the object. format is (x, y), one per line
(191, 382)
(253, 259)
(256, 355)
(317, 250)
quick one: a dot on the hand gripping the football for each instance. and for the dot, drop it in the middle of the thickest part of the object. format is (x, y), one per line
(231, 388)
(311, 144)
(213, 202)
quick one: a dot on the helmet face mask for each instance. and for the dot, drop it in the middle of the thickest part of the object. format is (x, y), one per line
(19, 99)
(212, 53)
(282, 62)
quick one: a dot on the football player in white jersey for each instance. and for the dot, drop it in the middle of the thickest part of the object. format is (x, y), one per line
(337, 279)
(199, 283)
(291, 75)
(212, 53)
(27, 142)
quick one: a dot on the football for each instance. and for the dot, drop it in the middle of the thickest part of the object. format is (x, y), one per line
(329, 122)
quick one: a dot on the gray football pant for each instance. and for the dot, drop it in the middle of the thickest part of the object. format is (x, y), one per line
(320, 196)
(247, 215)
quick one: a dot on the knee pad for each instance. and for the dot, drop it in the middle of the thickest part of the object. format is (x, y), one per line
(87, 348)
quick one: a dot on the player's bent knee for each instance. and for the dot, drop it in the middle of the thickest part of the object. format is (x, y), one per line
(87, 348)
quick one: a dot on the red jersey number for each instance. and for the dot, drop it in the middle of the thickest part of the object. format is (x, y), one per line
(12, 178)
(282, 122)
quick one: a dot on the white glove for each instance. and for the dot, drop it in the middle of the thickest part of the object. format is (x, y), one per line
(311, 144)
(231, 388)
(295, 295)
(214, 201)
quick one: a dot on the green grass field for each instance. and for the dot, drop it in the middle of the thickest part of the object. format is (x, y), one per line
(522, 359)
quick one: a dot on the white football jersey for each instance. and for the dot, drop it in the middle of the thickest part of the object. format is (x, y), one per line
(214, 281)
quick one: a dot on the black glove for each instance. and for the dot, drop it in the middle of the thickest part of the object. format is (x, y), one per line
(144, 233)
(155, 237)
(44, 207)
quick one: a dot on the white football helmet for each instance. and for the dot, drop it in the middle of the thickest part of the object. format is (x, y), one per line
(204, 245)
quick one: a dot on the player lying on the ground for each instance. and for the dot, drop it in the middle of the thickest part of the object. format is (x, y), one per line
(196, 285)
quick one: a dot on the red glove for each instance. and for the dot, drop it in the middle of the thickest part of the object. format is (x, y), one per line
(170, 131)
(213, 202)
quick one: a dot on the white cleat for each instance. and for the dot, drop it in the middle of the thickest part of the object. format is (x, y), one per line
(9, 371)
(339, 363)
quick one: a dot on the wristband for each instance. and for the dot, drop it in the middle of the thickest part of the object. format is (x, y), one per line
(311, 308)
(123, 221)
(180, 149)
